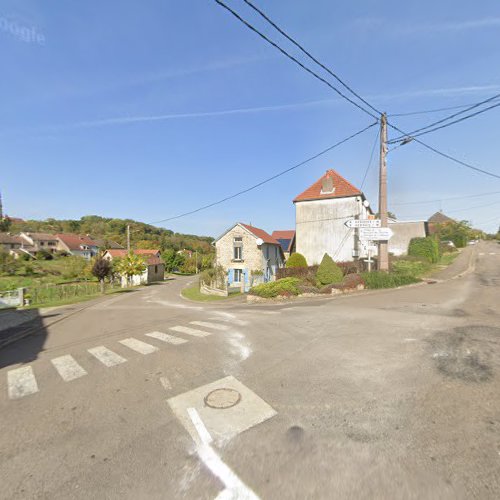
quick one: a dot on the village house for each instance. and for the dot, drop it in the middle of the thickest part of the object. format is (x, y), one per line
(287, 241)
(35, 242)
(11, 244)
(75, 244)
(155, 267)
(249, 255)
(105, 244)
(439, 219)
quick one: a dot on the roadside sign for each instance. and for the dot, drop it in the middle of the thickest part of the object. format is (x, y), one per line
(375, 233)
(363, 223)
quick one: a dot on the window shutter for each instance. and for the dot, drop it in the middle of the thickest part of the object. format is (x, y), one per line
(245, 274)
(230, 276)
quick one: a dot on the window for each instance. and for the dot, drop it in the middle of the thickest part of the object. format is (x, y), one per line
(238, 275)
(156, 269)
(237, 248)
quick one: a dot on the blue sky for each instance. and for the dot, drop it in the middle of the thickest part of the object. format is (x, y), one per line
(149, 110)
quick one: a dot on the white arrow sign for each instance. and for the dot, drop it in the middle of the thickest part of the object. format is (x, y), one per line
(363, 223)
(376, 233)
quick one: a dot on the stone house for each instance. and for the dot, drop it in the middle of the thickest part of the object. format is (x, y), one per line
(11, 244)
(155, 267)
(249, 255)
(75, 244)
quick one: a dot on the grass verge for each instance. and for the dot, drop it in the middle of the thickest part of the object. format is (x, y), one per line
(192, 292)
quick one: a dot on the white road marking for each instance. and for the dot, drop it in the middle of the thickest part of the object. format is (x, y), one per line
(202, 431)
(481, 253)
(190, 331)
(138, 346)
(106, 356)
(21, 382)
(492, 253)
(165, 383)
(165, 337)
(68, 368)
(235, 488)
(214, 326)
(228, 318)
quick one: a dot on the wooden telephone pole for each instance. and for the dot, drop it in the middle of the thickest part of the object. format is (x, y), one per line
(383, 251)
(128, 238)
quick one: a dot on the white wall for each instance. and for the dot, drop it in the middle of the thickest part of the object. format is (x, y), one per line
(320, 228)
(403, 233)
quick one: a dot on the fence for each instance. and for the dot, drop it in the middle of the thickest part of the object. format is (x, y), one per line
(51, 293)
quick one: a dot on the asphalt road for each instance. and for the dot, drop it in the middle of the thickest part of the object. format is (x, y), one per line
(392, 394)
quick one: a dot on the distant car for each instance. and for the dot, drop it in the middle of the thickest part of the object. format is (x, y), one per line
(448, 243)
(472, 242)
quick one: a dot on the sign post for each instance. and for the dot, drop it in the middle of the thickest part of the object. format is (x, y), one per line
(375, 233)
(360, 223)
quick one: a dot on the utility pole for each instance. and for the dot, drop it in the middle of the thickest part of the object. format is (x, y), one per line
(383, 251)
(128, 238)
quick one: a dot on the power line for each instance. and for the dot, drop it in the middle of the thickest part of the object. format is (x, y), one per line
(426, 111)
(404, 134)
(308, 54)
(352, 136)
(445, 199)
(292, 58)
(421, 129)
(370, 160)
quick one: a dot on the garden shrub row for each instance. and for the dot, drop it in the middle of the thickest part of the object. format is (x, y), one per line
(381, 279)
(283, 287)
(425, 248)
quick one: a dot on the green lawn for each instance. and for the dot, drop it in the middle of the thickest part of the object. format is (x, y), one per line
(193, 293)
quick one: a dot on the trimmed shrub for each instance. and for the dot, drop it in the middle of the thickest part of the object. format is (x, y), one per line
(284, 287)
(381, 279)
(426, 249)
(296, 260)
(306, 274)
(328, 272)
(352, 267)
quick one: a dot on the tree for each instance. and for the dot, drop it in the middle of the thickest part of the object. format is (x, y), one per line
(296, 260)
(131, 265)
(101, 269)
(328, 272)
(173, 260)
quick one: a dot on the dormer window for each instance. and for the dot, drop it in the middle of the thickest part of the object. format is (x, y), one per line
(327, 186)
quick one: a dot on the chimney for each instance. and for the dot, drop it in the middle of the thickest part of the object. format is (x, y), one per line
(327, 184)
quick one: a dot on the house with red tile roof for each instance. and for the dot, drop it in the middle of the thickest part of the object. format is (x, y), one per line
(155, 267)
(287, 241)
(249, 255)
(320, 215)
(76, 244)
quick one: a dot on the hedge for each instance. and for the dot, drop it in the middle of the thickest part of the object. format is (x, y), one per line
(296, 260)
(381, 279)
(285, 286)
(426, 249)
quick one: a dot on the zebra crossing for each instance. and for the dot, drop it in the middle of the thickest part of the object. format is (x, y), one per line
(22, 381)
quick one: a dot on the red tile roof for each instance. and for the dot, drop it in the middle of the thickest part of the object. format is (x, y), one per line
(260, 233)
(283, 235)
(342, 189)
(75, 241)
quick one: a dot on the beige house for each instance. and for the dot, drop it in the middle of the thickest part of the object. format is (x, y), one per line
(155, 267)
(249, 255)
(34, 242)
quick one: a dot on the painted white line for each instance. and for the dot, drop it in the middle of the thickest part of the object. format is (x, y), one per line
(213, 326)
(106, 356)
(202, 431)
(190, 331)
(165, 337)
(68, 368)
(21, 382)
(235, 488)
(481, 253)
(138, 346)
(165, 383)
(228, 318)
(492, 253)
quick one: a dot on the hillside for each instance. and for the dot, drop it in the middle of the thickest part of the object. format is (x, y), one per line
(141, 235)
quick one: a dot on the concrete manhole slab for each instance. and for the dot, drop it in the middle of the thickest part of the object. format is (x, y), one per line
(242, 409)
(221, 399)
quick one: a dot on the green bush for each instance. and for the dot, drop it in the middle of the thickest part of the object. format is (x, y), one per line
(381, 279)
(426, 249)
(296, 260)
(44, 255)
(410, 267)
(328, 272)
(285, 286)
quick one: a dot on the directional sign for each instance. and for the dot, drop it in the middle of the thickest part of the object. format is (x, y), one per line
(363, 222)
(376, 233)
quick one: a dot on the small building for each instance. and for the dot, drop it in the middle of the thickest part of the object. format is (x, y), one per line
(105, 244)
(155, 267)
(249, 255)
(10, 242)
(287, 241)
(35, 242)
(438, 220)
(75, 244)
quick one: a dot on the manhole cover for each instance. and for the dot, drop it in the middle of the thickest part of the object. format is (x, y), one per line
(221, 399)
